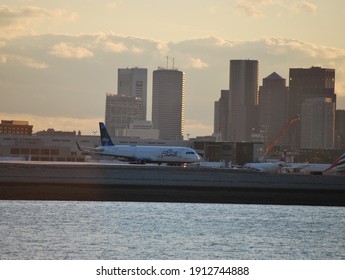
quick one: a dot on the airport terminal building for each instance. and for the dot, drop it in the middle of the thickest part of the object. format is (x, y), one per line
(54, 145)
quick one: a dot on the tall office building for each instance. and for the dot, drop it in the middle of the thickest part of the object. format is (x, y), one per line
(317, 123)
(307, 83)
(121, 111)
(243, 101)
(133, 82)
(129, 104)
(221, 115)
(273, 107)
(216, 126)
(340, 129)
(168, 90)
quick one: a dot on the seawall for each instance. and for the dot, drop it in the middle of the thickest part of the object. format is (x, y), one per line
(109, 182)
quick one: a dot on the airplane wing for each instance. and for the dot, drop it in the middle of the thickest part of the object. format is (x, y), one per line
(88, 149)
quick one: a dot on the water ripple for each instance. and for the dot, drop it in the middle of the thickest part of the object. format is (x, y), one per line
(121, 230)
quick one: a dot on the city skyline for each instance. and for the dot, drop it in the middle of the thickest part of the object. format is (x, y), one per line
(58, 62)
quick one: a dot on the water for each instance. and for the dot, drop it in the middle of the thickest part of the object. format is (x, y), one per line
(121, 230)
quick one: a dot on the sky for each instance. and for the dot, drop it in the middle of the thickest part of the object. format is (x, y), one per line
(58, 59)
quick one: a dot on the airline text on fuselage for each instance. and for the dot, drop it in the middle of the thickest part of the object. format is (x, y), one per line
(169, 153)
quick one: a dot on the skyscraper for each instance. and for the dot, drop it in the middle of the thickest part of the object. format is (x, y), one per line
(318, 123)
(133, 82)
(243, 101)
(273, 106)
(216, 125)
(120, 111)
(340, 129)
(221, 115)
(168, 90)
(308, 83)
(129, 104)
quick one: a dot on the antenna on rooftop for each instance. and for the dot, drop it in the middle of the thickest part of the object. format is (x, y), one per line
(173, 67)
(167, 62)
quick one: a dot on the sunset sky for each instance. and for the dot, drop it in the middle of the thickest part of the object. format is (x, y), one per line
(58, 59)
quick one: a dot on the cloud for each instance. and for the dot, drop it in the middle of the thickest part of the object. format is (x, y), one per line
(3, 58)
(259, 8)
(26, 61)
(29, 62)
(137, 50)
(9, 14)
(162, 47)
(198, 63)
(281, 46)
(305, 6)
(248, 8)
(113, 5)
(252, 8)
(67, 50)
(16, 21)
(115, 47)
(121, 48)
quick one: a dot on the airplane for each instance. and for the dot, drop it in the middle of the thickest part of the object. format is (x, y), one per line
(316, 168)
(300, 168)
(142, 154)
(264, 166)
(274, 166)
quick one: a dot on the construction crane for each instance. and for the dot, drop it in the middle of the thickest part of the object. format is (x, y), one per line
(271, 145)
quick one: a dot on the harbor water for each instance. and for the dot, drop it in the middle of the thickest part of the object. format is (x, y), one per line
(168, 231)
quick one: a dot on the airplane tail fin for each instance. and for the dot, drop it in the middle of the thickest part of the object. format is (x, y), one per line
(105, 138)
(79, 148)
(338, 165)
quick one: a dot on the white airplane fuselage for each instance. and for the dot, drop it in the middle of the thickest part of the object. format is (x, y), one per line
(308, 168)
(301, 168)
(264, 166)
(150, 154)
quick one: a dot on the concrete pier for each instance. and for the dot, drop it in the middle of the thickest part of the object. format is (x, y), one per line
(109, 182)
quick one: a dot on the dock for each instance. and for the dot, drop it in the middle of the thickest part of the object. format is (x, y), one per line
(146, 183)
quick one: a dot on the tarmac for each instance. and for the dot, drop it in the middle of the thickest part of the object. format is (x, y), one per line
(152, 183)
